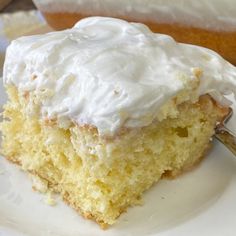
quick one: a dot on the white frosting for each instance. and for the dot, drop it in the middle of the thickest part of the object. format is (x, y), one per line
(110, 73)
(209, 14)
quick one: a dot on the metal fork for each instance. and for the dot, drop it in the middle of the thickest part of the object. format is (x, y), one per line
(224, 135)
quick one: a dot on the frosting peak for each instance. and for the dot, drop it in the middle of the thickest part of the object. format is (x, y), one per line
(110, 73)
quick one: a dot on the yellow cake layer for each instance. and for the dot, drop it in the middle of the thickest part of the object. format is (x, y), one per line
(102, 176)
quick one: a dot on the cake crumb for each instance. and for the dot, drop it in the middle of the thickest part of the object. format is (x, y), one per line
(34, 77)
(39, 184)
(26, 95)
(198, 72)
(50, 121)
(50, 200)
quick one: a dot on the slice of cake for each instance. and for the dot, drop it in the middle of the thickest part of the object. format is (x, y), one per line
(102, 111)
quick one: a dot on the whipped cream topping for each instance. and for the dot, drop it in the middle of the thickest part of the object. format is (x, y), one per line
(208, 14)
(110, 73)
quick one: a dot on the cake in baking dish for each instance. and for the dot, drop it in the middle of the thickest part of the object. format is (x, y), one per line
(210, 23)
(101, 111)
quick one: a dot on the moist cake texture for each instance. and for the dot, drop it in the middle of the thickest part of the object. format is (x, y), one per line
(102, 111)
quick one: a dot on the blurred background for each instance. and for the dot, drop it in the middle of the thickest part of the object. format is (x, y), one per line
(16, 5)
(208, 23)
(17, 18)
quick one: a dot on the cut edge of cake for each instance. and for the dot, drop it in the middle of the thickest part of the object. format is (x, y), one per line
(113, 172)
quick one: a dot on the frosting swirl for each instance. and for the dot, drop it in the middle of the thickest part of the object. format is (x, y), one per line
(109, 73)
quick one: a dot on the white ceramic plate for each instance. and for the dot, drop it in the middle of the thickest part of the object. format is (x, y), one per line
(201, 202)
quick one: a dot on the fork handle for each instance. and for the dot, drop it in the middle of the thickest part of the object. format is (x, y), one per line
(226, 137)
